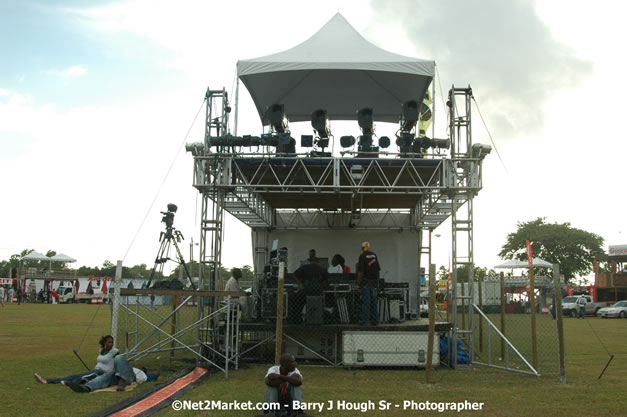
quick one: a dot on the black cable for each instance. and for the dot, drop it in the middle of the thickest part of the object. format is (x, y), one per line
(164, 179)
(599, 339)
(489, 135)
(604, 347)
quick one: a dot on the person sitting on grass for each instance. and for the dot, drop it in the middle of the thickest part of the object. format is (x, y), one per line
(122, 375)
(104, 364)
(283, 386)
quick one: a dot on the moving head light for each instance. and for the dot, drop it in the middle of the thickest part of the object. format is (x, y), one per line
(277, 118)
(365, 120)
(409, 115)
(320, 123)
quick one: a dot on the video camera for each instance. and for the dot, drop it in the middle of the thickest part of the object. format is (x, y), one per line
(168, 216)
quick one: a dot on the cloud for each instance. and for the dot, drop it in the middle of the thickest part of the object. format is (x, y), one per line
(4, 92)
(74, 71)
(70, 72)
(502, 48)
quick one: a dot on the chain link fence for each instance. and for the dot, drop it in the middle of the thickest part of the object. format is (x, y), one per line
(326, 328)
(505, 330)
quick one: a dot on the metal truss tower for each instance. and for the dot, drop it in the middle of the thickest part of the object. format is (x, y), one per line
(268, 190)
(461, 197)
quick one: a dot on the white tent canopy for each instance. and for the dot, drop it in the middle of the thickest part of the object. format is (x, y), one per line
(336, 69)
(60, 257)
(514, 263)
(35, 256)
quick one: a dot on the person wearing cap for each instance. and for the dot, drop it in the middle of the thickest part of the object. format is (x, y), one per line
(233, 285)
(367, 282)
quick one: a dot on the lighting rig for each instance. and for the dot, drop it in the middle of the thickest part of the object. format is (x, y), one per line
(280, 131)
(322, 128)
(280, 138)
(406, 136)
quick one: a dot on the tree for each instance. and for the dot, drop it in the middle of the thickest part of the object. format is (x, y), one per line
(573, 249)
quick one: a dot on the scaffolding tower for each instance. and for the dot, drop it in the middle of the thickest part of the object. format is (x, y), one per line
(271, 190)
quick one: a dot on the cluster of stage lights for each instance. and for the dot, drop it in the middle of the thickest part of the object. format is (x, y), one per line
(280, 136)
(405, 139)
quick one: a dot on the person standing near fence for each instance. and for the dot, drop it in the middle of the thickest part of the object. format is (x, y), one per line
(367, 282)
(581, 302)
(2, 295)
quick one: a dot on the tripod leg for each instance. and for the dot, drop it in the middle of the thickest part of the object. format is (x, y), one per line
(182, 262)
(162, 257)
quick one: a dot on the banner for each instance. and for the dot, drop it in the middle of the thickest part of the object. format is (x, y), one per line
(529, 255)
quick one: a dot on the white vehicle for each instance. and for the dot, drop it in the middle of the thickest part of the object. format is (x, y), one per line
(67, 294)
(571, 308)
(617, 310)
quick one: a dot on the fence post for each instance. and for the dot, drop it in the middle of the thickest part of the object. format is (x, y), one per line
(279, 311)
(479, 284)
(532, 306)
(557, 305)
(502, 316)
(431, 323)
(117, 280)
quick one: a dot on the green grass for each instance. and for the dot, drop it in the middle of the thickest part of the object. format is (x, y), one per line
(40, 338)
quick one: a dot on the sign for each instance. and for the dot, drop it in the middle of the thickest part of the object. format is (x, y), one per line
(529, 255)
(6, 281)
(617, 250)
(93, 278)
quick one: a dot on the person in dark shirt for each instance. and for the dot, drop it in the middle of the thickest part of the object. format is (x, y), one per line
(367, 282)
(311, 279)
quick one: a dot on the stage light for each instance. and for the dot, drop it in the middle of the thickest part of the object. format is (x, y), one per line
(409, 115)
(365, 141)
(423, 143)
(404, 142)
(384, 142)
(480, 150)
(277, 118)
(320, 123)
(347, 141)
(323, 142)
(365, 120)
(306, 141)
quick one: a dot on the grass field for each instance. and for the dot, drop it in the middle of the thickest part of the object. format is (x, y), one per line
(40, 338)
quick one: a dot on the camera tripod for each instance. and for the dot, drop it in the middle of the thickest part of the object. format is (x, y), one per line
(167, 238)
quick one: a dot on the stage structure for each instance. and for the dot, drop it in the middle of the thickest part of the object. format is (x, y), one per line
(333, 193)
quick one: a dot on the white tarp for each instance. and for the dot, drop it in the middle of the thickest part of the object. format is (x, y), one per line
(514, 264)
(35, 256)
(336, 69)
(60, 257)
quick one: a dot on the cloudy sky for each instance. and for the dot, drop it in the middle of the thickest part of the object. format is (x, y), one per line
(97, 99)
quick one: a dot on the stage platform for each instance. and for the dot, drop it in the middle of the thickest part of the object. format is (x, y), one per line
(387, 344)
(419, 325)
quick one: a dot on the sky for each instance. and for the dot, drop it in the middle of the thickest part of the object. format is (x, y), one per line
(97, 100)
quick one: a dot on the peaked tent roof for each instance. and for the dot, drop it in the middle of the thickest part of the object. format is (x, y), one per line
(514, 263)
(35, 256)
(336, 69)
(60, 257)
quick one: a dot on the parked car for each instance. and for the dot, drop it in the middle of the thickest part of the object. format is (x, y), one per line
(617, 310)
(571, 308)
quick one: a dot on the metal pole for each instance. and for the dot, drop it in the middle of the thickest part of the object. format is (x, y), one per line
(116, 299)
(236, 104)
(502, 315)
(532, 305)
(480, 281)
(557, 287)
(431, 323)
(279, 311)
